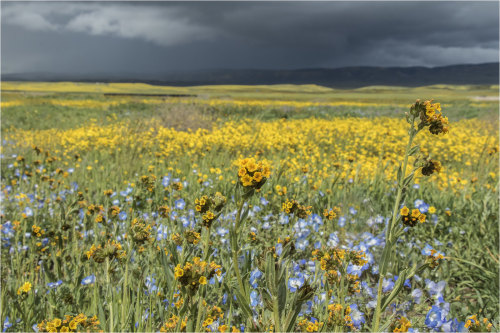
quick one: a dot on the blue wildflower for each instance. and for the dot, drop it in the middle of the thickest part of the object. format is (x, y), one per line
(254, 298)
(417, 295)
(88, 280)
(357, 316)
(180, 204)
(122, 216)
(295, 283)
(434, 318)
(254, 276)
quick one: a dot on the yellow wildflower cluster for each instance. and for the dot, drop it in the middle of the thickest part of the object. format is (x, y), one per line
(191, 236)
(94, 209)
(430, 116)
(213, 313)
(140, 232)
(253, 174)
(113, 211)
(431, 167)
(37, 230)
(209, 206)
(70, 324)
(111, 250)
(333, 258)
(473, 324)
(331, 213)
(305, 325)
(171, 324)
(337, 316)
(148, 182)
(332, 263)
(24, 289)
(164, 211)
(293, 207)
(197, 273)
(402, 325)
(433, 259)
(411, 219)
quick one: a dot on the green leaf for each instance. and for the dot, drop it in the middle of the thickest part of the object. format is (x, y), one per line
(271, 273)
(408, 179)
(400, 174)
(397, 288)
(414, 150)
(245, 308)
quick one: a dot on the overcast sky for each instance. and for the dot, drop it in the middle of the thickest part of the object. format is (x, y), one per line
(152, 37)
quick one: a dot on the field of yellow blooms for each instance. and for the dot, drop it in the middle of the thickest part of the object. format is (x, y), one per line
(265, 208)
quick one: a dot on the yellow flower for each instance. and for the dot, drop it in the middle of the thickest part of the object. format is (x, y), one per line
(73, 324)
(404, 211)
(25, 288)
(56, 322)
(178, 271)
(432, 210)
(203, 280)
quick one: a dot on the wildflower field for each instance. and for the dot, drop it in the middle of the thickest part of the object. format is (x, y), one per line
(129, 207)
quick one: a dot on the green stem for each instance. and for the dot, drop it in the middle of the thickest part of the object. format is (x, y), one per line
(111, 324)
(125, 300)
(276, 311)
(235, 249)
(206, 246)
(388, 231)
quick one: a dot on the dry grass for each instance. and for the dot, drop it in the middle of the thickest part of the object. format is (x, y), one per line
(183, 117)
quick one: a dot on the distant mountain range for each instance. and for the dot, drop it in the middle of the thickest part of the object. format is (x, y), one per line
(345, 77)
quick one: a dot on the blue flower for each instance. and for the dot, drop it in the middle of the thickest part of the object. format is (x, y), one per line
(295, 283)
(151, 284)
(28, 211)
(434, 318)
(333, 240)
(354, 270)
(165, 181)
(435, 288)
(254, 276)
(387, 285)
(278, 249)
(416, 294)
(426, 251)
(341, 222)
(424, 208)
(254, 298)
(357, 316)
(222, 231)
(54, 284)
(6, 324)
(263, 201)
(352, 211)
(126, 192)
(301, 244)
(454, 326)
(88, 280)
(180, 204)
(122, 216)
(418, 203)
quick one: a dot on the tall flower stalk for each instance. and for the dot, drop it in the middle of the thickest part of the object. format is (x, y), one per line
(421, 115)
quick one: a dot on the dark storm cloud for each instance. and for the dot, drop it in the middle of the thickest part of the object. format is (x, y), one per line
(162, 36)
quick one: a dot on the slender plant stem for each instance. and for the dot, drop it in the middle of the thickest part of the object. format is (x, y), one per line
(108, 282)
(388, 231)
(276, 311)
(235, 249)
